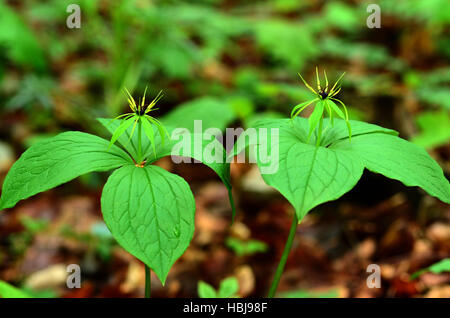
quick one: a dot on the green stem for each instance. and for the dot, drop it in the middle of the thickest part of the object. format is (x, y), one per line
(319, 134)
(284, 257)
(139, 141)
(148, 281)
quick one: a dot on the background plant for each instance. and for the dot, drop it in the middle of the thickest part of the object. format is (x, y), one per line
(149, 211)
(231, 64)
(227, 289)
(316, 170)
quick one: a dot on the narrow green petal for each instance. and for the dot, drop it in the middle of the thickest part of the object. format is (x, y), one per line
(349, 130)
(134, 127)
(332, 89)
(162, 130)
(124, 117)
(154, 101)
(315, 117)
(336, 109)
(345, 114)
(346, 118)
(143, 98)
(330, 112)
(336, 92)
(300, 107)
(131, 100)
(307, 85)
(318, 79)
(120, 130)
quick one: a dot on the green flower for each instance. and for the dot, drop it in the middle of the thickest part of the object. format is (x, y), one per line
(325, 100)
(139, 117)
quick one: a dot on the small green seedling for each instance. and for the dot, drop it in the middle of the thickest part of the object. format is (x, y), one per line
(244, 248)
(149, 211)
(321, 165)
(228, 289)
(437, 268)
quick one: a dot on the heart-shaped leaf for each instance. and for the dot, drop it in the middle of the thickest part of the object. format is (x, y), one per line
(309, 175)
(150, 212)
(195, 148)
(399, 159)
(57, 160)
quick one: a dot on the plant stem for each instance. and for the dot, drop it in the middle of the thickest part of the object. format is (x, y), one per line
(139, 141)
(148, 281)
(284, 257)
(319, 134)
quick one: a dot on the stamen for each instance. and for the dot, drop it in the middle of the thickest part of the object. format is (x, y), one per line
(131, 100)
(307, 85)
(332, 89)
(143, 98)
(318, 80)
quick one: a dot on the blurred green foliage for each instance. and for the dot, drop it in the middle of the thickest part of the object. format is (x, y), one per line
(437, 268)
(99, 240)
(243, 248)
(220, 61)
(224, 62)
(304, 293)
(20, 241)
(9, 291)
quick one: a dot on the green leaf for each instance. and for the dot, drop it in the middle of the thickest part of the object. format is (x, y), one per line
(339, 131)
(221, 167)
(437, 268)
(401, 160)
(205, 290)
(228, 287)
(165, 149)
(441, 266)
(150, 212)
(9, 291)
(57, 160)
(308, 175)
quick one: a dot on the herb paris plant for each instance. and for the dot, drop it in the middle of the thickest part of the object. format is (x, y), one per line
(140, 117)
(325, 100)
(322, 165)
(149, 211)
